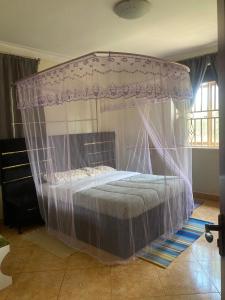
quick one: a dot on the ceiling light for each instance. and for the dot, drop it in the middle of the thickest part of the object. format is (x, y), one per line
(131, 9)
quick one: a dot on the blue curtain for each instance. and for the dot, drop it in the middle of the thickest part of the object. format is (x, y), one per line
(202, 68)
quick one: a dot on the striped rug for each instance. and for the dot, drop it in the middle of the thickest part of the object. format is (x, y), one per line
(164, 252)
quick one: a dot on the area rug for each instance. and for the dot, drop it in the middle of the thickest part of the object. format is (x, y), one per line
(44, 240)
(164, 252)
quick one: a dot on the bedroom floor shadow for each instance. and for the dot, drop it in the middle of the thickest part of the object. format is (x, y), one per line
(38, 274)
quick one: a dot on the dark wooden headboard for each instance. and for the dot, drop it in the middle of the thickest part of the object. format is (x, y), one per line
(86, 149)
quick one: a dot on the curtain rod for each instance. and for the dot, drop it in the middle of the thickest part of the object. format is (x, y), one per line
(23, 56)
(106, 53)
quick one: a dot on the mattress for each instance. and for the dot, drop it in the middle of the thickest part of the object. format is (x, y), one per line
(118, 194)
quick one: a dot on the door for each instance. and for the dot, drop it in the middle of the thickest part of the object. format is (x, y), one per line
(221, 83)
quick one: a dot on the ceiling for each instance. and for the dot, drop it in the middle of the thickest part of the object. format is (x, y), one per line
(71, 28)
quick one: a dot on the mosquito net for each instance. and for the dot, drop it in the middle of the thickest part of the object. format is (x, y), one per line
(108, 145)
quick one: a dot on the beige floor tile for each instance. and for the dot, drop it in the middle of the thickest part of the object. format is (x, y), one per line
(139, 264)
(186, 278)
(86, 284)
(42, 260)
(16, 260)
(144, 264)
(14, 238)
(136, 281)
(208, 211)
(80, 260)
(207, 216)
(187, 256)
(213, 270)
(36, 286)
(202, 250)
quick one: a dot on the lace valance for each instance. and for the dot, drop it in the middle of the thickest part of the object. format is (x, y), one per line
(106, 76)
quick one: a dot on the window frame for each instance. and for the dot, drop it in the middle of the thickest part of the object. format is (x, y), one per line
(211, 116)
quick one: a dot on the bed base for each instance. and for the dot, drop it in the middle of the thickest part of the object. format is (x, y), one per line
(119, 237)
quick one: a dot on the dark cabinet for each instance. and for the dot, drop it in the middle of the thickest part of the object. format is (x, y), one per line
(20, 204)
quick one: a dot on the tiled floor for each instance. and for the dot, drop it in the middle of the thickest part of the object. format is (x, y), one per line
(39, 275)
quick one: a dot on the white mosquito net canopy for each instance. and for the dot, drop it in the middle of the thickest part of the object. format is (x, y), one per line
(108, 144)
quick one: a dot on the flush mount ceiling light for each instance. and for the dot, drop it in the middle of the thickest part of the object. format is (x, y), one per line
(131, 9)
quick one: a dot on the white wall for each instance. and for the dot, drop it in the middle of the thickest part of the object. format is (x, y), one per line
(205, 170)
(71, 117)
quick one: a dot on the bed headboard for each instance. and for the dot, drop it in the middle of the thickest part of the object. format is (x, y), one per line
(99, 148)
(86, 149)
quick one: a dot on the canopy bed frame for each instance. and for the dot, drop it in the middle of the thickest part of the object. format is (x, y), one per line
(109, 151)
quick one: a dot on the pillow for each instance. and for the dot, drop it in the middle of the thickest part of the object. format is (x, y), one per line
(104, 169)
(54, 178)
(78, 173)
(98, 170)
(63, 177)
(91, 171)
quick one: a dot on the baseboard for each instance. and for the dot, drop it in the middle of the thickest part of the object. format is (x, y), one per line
(204, 196)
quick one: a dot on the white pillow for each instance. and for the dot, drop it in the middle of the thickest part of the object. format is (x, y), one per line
(78, 173)
(104, 169)
(63, 177)
(98, 170)
(55, 178)
(91, 171)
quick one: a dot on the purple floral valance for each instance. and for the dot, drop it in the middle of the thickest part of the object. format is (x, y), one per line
(106, 76)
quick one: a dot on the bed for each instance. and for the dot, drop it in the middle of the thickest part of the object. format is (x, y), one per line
(143, 101)
(111, 207)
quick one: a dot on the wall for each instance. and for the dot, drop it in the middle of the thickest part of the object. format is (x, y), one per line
(205, 170)
(71, 117)
(45, 64)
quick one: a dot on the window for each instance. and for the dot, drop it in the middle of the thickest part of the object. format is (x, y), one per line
(203, 121)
